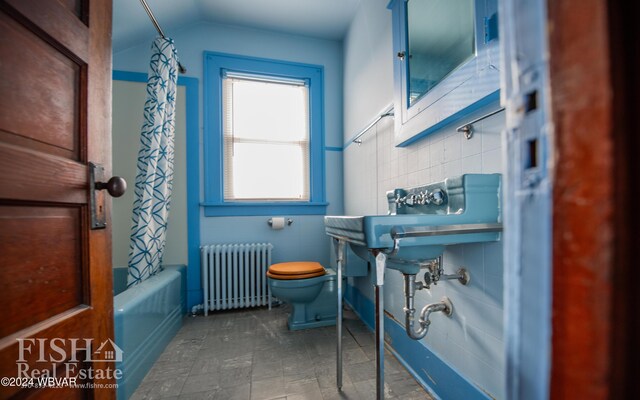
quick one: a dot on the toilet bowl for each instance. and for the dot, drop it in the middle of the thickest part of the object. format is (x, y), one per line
(310, 289)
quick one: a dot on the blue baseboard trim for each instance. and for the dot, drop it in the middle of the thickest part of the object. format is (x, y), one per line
(437, 377)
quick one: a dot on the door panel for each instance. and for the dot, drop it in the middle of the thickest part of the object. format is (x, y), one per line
(57, 24)
(43, 79)
(77, 7)
(55, 273)
(32, 175)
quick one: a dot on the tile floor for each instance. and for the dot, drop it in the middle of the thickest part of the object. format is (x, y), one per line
(251, 355)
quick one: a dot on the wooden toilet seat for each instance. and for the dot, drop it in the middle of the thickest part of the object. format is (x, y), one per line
(296, 270)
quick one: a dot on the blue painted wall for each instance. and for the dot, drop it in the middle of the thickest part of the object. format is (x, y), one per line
(305, 238)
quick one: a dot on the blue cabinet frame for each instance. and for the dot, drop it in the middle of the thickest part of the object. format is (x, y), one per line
(474, 84)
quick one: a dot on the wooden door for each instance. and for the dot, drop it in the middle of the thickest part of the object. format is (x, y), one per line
(594, 63)
(55, 271)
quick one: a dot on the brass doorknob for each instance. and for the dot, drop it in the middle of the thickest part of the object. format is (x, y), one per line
(116, 186)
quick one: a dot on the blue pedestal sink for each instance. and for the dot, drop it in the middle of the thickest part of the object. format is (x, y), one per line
(421, 222)
(469, 212)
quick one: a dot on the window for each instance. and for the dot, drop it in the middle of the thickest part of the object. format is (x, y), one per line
(266, 139)
(263, 137)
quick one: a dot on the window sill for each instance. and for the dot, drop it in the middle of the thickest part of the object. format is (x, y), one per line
(253, 209)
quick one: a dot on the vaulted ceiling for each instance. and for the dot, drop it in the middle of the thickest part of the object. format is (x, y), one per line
(324, 19)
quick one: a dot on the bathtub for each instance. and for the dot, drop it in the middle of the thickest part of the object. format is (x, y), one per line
(146, 318)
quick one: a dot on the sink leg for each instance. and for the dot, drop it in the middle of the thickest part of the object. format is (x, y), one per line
(340, 260)
(379, 300)
(379, 316)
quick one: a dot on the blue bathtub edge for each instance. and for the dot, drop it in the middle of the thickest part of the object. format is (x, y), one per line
(146, 318)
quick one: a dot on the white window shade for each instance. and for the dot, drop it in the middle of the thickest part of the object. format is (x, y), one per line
(266, 139)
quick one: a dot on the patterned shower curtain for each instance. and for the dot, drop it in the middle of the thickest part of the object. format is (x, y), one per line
(154, 178)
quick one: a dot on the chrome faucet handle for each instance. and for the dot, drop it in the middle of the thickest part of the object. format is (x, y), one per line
(423, 198)
(436, 197)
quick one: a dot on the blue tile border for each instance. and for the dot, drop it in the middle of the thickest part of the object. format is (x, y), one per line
(332, 148)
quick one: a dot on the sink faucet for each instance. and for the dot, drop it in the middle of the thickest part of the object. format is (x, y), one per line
(435, 197)
(400, 201)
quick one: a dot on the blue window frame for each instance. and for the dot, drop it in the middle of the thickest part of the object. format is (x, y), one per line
(216, 67)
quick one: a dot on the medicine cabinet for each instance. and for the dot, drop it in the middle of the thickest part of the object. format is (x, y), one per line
(446, 63)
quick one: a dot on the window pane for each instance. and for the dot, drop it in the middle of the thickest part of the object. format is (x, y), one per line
(266, 140)
(269, 110)
(269, 171)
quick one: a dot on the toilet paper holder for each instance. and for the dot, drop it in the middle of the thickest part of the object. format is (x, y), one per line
(270, 221)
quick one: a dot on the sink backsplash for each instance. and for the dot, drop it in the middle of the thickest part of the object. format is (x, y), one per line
(443, 197)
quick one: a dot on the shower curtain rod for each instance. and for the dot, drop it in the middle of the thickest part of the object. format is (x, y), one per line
(155, 23)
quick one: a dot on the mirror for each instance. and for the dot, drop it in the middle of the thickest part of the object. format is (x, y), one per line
(440, 38)
(447, 65)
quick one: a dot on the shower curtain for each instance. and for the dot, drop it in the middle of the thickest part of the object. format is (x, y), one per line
(154, 178)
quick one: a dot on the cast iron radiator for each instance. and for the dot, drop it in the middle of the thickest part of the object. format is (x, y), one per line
(235, 275)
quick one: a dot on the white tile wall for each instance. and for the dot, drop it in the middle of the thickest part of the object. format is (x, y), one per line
(471, 340)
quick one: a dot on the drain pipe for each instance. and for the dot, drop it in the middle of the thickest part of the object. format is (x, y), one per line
(409, 312)
(410, 287)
